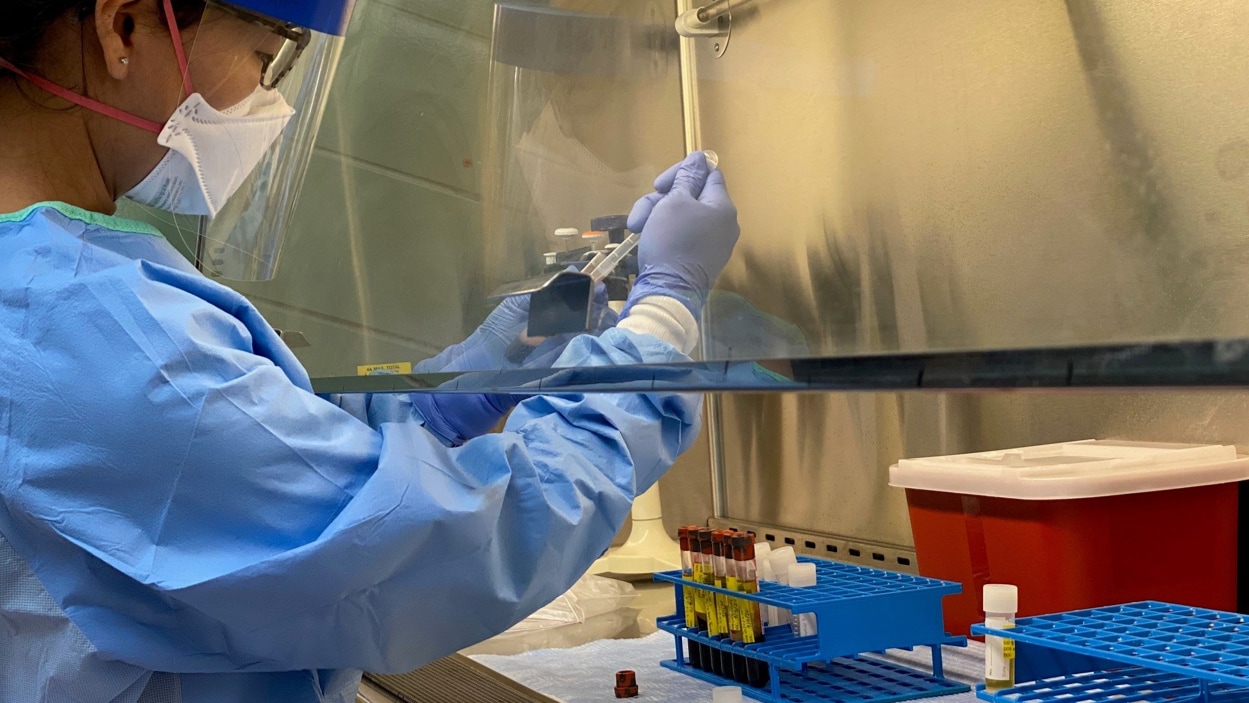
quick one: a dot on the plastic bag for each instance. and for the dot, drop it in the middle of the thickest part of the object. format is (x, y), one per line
(590, 596)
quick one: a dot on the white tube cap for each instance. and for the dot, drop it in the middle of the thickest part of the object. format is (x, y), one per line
(763, 550)
(567, 232)
(802, 575)
(765, 571)
(726, 694)
(784, 554)
(1001, 598)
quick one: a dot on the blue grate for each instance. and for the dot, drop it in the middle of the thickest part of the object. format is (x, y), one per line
(1194, 642)
(1128, 685)
(837, 582)
(857, 609)
(844, 680)
(781, 648)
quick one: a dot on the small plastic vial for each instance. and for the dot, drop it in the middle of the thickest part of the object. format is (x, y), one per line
(781, 560)
(768, 613)
(1001, 602)
(803, 576)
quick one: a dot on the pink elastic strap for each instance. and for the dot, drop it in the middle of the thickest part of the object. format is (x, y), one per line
(178, 50)
(84, 101)
(108, 110)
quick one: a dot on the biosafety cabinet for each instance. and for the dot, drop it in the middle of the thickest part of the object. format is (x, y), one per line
(939, 199)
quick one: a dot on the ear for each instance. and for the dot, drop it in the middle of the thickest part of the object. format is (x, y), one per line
(114, 25)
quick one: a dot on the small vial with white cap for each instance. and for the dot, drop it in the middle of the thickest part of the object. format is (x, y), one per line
(567, 236)
(781, 560)
(1001, 602)
(726, 694)
(763, 551)
(803, 576)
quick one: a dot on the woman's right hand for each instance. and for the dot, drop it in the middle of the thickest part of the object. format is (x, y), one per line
(689, 230)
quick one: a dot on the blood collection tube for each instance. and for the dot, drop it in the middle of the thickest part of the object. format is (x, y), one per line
(737, 607)
(724, 663)
(763, 572)
(734, 665)
(711, 659)
(751, 618)
(688, 592)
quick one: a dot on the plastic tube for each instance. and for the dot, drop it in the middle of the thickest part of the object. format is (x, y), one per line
(781, 560)
(1001, 602)
(768, 612)
(803, 576)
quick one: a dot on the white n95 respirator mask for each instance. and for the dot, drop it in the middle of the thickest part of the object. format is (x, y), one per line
(211, 152)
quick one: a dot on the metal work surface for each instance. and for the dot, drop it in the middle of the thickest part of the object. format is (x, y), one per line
(456, 679)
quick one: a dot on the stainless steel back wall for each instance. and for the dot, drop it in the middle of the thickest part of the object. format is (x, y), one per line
(820, 462)
(917, 174)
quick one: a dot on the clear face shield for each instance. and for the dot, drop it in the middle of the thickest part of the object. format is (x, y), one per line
(247, 73)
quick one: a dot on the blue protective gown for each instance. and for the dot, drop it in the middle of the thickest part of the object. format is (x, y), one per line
(176, 499)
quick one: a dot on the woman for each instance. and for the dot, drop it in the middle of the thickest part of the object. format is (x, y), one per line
(182, 518)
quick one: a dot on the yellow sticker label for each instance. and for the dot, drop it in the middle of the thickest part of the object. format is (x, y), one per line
(691, 618)
(735, 616)
(1008, 649)
(713, 612)
(700, 596)
(734, 606)
(750, 614)
(401, 369)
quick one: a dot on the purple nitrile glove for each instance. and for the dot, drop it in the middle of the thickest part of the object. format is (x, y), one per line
(497, 344)
(689, 229)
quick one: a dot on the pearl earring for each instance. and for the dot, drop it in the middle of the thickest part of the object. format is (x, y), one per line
(125, 60)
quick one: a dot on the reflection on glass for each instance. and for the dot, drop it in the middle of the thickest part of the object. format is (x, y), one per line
(911, 177)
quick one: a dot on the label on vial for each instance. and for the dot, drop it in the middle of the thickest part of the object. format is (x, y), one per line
(734, 605)
(713, 615)
(722, 612)
(691, 619)
(803, 624)
(999, 653)
(750, 612)
(700, 603)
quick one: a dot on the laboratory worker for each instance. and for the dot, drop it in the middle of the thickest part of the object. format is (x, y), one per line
(181, 517)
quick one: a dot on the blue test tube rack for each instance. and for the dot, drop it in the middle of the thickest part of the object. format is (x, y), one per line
(858, 610)
(1148, 652)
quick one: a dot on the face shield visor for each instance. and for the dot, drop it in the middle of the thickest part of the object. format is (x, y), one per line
(258, 74)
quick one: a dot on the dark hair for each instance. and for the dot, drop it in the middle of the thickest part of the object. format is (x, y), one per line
(23, 23)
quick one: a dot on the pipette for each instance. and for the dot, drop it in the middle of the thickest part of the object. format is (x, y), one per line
(602, 266)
